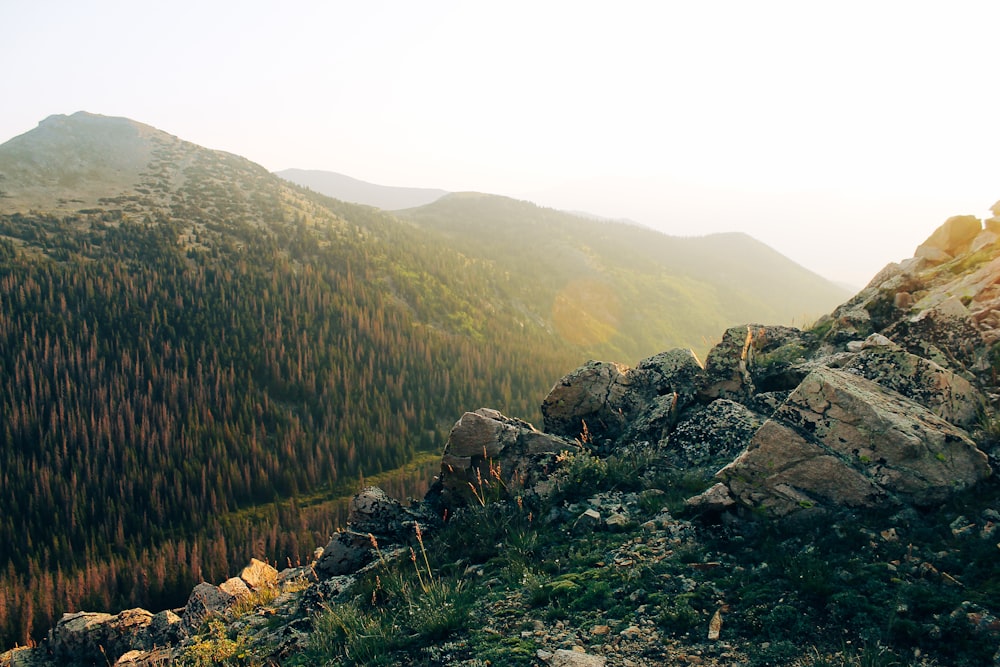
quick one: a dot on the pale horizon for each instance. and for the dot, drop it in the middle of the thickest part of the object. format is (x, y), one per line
(840, 135)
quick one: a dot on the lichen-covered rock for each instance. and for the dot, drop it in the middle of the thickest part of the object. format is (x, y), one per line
(205, 600)
(89, 637)
(80, 636)
(489, 455)
(946, 394)
(164, 628)
(711, 437)
(940, 334)
(589, 403)
(25, 656)
(346, 553)
(601, 404)
(676, 372)
(372, 510)
(726, 372)
(842, 440)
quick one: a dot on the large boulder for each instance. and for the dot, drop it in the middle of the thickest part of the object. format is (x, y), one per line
(842, 440)
(726, 367)
(491, 456)
(80, 636)
(259, 575)
(951, 239)
(204, 601)
(711, 437)
(751, 354)
(600, 403)
(946, 394)
(96, 638)
(374, 511)
(589, 403)
(346, 553)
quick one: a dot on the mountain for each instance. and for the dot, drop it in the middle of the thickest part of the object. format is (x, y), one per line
(653, 291)
(806, 497)
(197, 356)
(353, 190)
(187, 350)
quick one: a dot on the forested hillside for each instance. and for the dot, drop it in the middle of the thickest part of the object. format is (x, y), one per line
(628, 291)
(214, 341)
(195, 355)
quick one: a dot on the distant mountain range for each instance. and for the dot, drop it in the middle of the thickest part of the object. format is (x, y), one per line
(188, 341)
(352, 190)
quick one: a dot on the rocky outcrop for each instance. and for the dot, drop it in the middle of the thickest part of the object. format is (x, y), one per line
(951, 239)
(943, 392)
(97, 638)
(840, 439)
(373, 517)
(489, 455)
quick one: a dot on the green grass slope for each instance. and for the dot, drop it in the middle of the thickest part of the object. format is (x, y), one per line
(623, 290)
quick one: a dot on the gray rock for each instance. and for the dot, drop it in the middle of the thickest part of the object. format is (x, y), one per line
(164, 628)
(711, 437)
(346, 553)
(842, 440)
(372, 510)
(726, 369)
(589, 403)
(489, 456)
(80, 636)
(205, 600)
(589, 521)
(944, 393)
(24, 656)
(96, 637)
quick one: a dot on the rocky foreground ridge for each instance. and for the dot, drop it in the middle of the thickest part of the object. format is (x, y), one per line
(886, 406)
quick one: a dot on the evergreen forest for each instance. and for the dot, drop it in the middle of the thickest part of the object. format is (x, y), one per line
(147, 393)
(194, 367)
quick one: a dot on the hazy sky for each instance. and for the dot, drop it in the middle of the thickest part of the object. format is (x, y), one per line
(840, 133)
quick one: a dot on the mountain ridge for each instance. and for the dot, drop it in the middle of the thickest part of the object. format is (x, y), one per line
(770, 506)
(347, 188)
(204, 343)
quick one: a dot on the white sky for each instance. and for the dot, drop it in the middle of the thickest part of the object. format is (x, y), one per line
(840, 133)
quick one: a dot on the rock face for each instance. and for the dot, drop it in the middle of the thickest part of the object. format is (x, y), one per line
(86, 637)
(950, 239)
(490, 455)
(872, 408)
(600, 402)
(840, 439)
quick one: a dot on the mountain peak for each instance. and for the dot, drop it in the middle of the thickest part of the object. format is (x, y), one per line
(74, 161)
